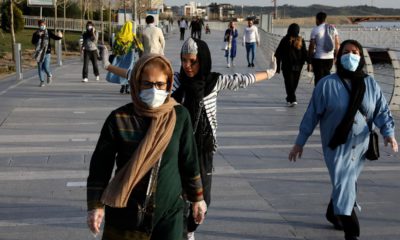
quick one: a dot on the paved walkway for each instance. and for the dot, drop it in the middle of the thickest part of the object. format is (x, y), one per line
(47, 136)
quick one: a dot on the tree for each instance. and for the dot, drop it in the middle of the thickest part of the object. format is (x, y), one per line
(11, 21)
(18, 20)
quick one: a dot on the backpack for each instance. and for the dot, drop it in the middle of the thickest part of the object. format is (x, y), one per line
(328, 38)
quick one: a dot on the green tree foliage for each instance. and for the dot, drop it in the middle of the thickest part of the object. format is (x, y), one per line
(6, 18)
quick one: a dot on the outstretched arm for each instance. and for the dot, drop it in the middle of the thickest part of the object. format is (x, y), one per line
(122, 72)
(268, 73)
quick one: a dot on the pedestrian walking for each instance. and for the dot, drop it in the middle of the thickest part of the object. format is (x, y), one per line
(291, 54)
(151, 143)
(182, 28)
(251, 40)
(324, 43)
(152, 37)
(197, 88)
(125, 49)
(41, 40)
(346, 105)
(230, 38)
(90, 51)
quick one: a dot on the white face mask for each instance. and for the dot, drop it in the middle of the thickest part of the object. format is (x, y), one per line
(89, 27)
(42, 27)
(153, 97)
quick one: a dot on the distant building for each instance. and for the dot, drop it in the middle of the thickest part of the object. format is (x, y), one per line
(222, 12)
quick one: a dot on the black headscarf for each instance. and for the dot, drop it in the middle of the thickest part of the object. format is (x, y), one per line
(356, 94)
(293, 30)
(194, 89)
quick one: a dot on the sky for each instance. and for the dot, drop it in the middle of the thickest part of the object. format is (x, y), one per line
(375, 3)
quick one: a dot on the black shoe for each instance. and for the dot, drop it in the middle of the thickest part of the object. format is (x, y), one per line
(337, 224)
(122, 90)
(350, 238)
(249, 65)
(252, 65)
(127, 89)
(335, 221)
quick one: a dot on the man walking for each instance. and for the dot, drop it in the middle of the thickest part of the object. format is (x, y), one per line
(324, 44)
(152, 38)
(250, 39)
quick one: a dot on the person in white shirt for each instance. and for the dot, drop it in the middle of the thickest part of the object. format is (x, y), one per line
(182, 27)
(152, 38)
(250, 39)
(323, 47)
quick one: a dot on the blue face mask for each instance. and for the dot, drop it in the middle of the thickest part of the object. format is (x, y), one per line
(42, 27)
(350, 61)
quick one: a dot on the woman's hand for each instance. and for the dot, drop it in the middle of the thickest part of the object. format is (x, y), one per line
(199, 211)
(393, 143)
(296, 151)
(272, 68)
(104, 56)
(94, 219)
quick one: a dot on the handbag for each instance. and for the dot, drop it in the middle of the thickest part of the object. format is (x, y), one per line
(225, 46)
(372, 153)
(123, 61)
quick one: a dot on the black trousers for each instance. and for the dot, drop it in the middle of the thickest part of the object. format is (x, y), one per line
(206, 166)
(291, 82)
(182, 30)
(321, 68)
(92, 56)
(199, 34)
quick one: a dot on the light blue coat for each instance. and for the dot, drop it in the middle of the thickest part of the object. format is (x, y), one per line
(327, 107)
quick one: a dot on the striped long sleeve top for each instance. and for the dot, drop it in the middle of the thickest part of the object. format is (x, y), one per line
(231, 82)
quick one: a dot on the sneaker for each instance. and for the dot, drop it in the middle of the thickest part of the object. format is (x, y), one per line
(42, 84)
(190, 236)
(49, 79)
(97, 78)
(229, 65)
(85, 80)
(294, 103)
(289, 104)
(249, 65)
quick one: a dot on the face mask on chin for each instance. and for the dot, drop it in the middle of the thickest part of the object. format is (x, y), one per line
(350, 61)
(153, 97)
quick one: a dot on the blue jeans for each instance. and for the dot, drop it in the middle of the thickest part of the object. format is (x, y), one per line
(44, 66)
(251, 48)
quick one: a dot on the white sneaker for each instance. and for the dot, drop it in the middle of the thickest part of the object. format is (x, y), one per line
(294, 103)
(229, 65)
(85, 80)
(289, 104)
(97, 78)
(190, 236)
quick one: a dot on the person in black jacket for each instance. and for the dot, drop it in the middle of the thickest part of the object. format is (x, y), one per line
(90, 51)
(41, 40)
(291, 55)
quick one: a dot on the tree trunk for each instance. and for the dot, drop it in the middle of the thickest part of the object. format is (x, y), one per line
(102, 24)
(12, 29)
(65, 15)
(109, 23)
(55, 18)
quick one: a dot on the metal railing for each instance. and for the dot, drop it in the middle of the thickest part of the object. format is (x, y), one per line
(74, 25)
(387, 77)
